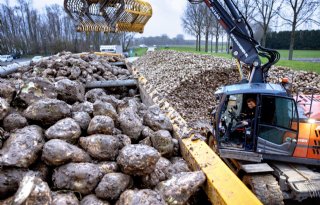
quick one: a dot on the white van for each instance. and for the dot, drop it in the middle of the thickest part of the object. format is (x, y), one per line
(111, 49)
(6, 58)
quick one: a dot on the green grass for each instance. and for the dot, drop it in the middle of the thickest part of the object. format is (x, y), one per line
(300, 54)
(297, 65)
(140, 51)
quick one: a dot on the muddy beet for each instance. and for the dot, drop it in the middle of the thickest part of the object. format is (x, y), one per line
(101, 147)
(112, 185)
(33, 90)
(47, 111)
(32, 190)
(7, 91)
(82, 118)
(147, 132)
(138, 159)
(162, 141)
(66, 129)
(159, 174)
(64, 199)
(130, 123)
(108, 167)
(4, 108)
(79, 177)
(124, 140)
(93, 200)
(156, 120)
(83, 107)
(9, 180)
(14, 121)
(180, 187)
(105, 108)
(101, 125)
(70, 91)
(22, 147)
(58, 152)
(95, 94)
(140, 197)
(178, 165)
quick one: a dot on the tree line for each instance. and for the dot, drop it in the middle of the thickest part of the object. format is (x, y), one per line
(163, 40)
(305, 40)
(27, 31)
(262, 15)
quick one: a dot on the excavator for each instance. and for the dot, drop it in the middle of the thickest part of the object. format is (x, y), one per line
(275, 150)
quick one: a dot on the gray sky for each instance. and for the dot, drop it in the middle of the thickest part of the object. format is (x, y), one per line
(166, 18)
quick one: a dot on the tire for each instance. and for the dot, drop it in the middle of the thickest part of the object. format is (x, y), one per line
(265, 187)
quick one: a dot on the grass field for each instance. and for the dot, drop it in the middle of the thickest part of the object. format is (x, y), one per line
(300, 54)
(297, 65)
(140, 51)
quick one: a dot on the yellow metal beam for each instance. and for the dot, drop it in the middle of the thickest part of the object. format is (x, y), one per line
(222, 185)
(108, 54)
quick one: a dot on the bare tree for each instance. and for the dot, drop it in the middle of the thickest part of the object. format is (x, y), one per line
(126, 40)
(216, 32)
(248, 8)
(266, 11)
(192, 22)
(25, 30)
(208, 22)
(300, 12)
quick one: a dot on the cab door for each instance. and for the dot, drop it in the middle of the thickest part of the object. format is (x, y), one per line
(277, 125)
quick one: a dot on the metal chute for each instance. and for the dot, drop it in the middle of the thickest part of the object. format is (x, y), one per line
(109, 15)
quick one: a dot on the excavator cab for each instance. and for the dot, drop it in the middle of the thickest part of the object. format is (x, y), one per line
(270, 127)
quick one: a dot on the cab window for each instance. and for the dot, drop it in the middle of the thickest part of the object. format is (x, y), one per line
(278, 119)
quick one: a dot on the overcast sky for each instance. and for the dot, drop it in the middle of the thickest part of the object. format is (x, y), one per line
(166, 18)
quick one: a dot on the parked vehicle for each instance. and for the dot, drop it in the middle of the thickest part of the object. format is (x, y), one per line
(151, 49)
(111, 49)
(6, 58)
(143, 46)
(36, 59)
(16, 55)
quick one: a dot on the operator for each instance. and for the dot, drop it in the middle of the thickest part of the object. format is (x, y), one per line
(248, 121)
(249, 112)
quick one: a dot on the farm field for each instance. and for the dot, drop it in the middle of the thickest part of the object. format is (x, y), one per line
(294, 64)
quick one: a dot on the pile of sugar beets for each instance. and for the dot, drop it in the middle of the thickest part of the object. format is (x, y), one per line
(63, 144)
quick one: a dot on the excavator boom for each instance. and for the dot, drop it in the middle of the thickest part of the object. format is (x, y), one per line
(244, 47)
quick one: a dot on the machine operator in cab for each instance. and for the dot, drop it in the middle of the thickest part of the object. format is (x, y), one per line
(249, 113)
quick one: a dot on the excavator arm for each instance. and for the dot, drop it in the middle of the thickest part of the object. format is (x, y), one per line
(244, 47)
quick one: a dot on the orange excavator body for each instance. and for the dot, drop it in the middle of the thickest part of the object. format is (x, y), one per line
(308, 144)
